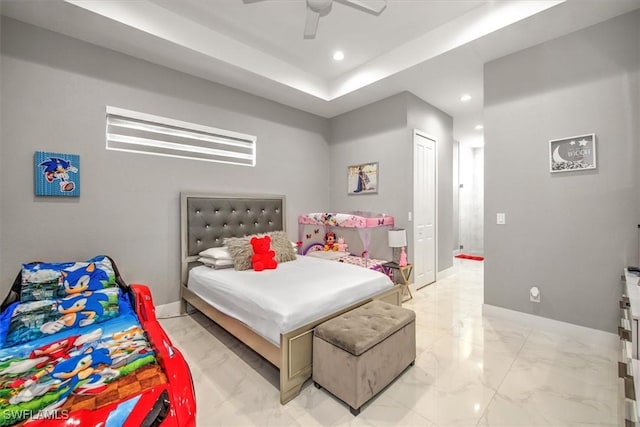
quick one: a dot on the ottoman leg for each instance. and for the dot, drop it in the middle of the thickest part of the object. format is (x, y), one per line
(354, 411)
(413, 362)
(316, 385)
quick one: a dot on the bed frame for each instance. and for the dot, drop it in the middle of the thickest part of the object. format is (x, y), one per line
(209, 218)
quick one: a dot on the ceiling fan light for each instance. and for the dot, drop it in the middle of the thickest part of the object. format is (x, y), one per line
(319, 5)
(338, 55)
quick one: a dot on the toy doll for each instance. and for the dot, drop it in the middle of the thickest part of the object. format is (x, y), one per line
(342, 246)
(330, 242)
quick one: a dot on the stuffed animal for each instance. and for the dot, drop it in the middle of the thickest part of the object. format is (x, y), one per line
(330, 242)
(263, 256)
(342, 246)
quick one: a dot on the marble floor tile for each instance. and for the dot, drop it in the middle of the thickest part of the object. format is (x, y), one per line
(462, 363)
(457, 406)
(548, 407)
(554, 343)
(495, 334)
(384, 412)
(315, 407)
(472, 369)
(596, 383)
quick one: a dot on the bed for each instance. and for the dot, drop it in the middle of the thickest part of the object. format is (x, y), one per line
(206, 220)
(310, 224)
(78, 346)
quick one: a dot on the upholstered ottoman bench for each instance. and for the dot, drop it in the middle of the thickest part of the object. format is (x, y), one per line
(359, 353)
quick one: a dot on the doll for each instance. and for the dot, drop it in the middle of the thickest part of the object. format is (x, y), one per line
(342, 246)
(330, 242)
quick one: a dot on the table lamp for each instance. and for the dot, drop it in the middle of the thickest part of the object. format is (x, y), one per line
(398, 239)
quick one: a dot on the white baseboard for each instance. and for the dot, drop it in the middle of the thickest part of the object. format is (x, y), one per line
(168, 310)
(582, 333)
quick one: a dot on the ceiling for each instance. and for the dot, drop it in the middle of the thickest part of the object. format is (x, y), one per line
(275, 26)
(433, 48)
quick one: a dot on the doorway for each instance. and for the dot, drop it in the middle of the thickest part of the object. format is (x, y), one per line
(471, 198)
(424, 209)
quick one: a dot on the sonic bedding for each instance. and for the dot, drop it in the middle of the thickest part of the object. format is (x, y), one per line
(72, 341)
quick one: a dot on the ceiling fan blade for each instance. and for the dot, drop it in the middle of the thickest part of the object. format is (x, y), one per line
(371, 6)
(311, 26)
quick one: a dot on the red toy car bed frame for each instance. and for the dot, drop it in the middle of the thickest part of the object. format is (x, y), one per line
(168, 405)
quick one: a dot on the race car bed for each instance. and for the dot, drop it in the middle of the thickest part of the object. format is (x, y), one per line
(80, 347)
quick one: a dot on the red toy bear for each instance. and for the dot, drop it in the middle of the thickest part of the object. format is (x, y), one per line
(263, 256)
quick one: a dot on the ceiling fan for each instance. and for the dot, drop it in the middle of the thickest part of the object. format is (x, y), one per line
(317, 8)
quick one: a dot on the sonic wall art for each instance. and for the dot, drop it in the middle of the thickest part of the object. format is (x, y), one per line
(57, 174)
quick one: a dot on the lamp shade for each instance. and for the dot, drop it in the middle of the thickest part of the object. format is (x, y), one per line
(398, 238)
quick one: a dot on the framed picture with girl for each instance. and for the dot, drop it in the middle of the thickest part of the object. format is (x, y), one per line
(362, 179)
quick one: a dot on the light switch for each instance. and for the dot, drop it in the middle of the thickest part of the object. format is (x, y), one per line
(501, 218)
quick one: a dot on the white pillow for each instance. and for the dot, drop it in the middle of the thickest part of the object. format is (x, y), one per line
(216, 263)
(217, 253)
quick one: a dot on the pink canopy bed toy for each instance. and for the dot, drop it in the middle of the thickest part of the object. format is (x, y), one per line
(309, 226)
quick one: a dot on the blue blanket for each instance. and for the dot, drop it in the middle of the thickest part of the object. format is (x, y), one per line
(42, 373)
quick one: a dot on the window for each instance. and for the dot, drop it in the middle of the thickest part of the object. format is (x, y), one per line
(144, 133)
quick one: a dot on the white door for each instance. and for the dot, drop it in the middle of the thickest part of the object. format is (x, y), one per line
(424, 209)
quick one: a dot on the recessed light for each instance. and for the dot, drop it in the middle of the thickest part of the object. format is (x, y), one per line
(465, 98)
(479, 127)
(338, 55)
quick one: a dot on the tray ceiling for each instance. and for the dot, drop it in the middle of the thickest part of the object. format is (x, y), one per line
(435, 49)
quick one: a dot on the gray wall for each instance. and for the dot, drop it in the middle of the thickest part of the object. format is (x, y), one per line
(54, 93)
(436, 123)
(1, 149)
(571, 234)
(455, 187)
(383, 132)
(374, 133)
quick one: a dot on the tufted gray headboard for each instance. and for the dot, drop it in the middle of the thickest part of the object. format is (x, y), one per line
(206, 219)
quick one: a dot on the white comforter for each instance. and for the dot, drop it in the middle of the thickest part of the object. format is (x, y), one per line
(276, 301)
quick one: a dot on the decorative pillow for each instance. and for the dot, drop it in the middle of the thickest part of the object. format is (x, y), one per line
(241, 251)
(42, 281)
(216, 263)
(217, 253)
(281, 244)
(88, 276)
(47, 281)
(35, 319)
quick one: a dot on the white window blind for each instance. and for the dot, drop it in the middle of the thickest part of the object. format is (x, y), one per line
(144, 133)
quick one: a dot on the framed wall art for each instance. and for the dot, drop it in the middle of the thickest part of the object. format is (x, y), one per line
(572, 154)
(57, 174)
(362, 179)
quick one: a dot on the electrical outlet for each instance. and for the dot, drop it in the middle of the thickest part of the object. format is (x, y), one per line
(501, 218)
(534, 294)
